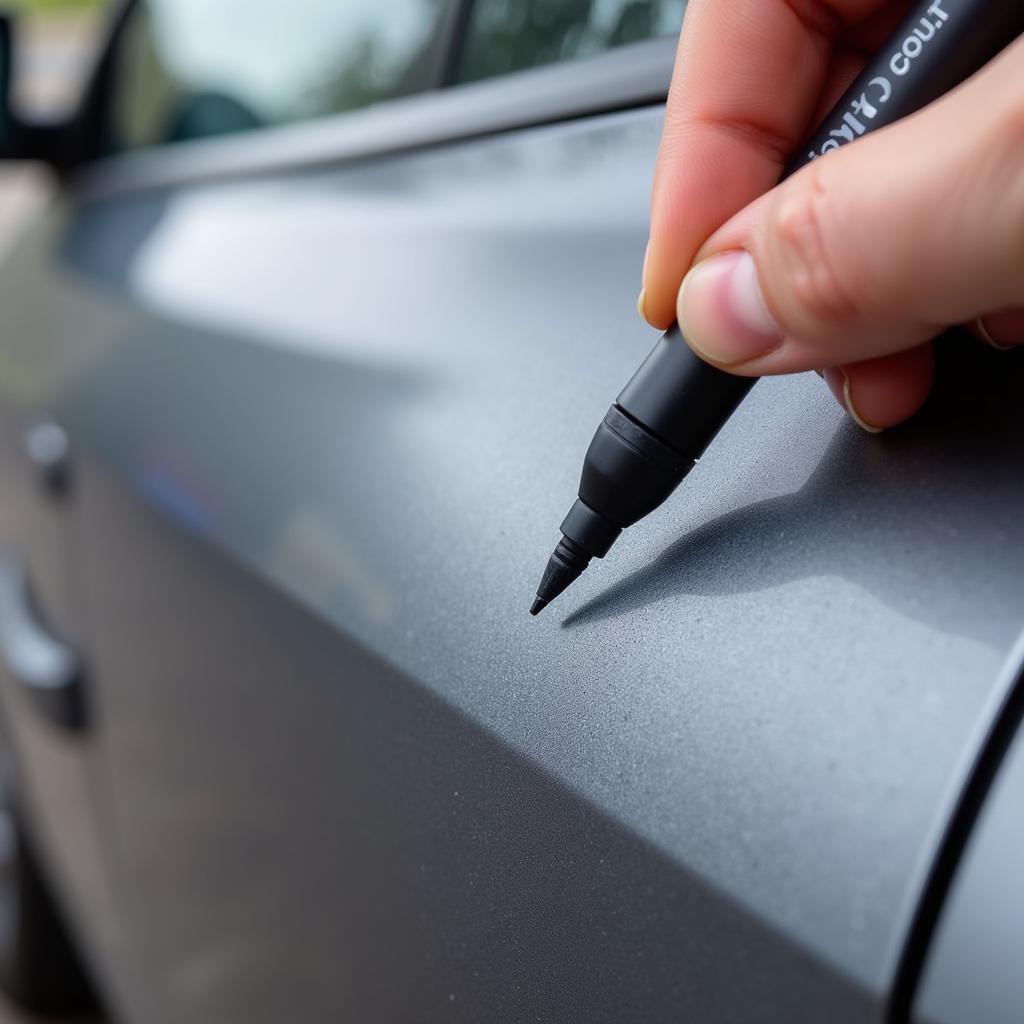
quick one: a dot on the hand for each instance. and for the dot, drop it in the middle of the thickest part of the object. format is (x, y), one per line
(855, 263)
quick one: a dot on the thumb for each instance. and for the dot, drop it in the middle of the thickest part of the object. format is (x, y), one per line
(876, 247)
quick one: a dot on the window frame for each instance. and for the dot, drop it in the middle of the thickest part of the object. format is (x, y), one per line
(456, 43)
(456, 22)
(628, 76)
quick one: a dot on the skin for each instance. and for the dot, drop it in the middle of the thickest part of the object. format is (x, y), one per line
(866, 255)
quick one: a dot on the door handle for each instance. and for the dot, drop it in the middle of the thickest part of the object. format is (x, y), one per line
(48, 449)
(47, 667)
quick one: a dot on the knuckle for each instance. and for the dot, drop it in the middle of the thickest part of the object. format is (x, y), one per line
(993, 180)
(808, 241)
(1010, 120)
(1009, 181)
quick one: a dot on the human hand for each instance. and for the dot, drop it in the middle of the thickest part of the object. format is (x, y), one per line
(855, 263)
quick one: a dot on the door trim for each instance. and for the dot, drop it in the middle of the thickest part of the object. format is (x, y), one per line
(630, 76)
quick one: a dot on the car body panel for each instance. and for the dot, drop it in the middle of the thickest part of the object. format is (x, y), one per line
(325, 427)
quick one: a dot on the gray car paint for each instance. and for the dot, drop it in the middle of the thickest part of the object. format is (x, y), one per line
(322, 448)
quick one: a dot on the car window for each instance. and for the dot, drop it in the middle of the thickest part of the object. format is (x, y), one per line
(507, 35)
(191, 68)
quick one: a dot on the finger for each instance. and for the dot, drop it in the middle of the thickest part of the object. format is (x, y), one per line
(875, 29)
(876, 247)
(880, 393)
(1004, 329)
(748, 76)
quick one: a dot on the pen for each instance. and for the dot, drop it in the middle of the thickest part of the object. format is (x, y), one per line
(675, 404)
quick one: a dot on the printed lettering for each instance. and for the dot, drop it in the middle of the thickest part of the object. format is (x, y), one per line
(914, 43)
(865, 107)
(885, 85)
(853, 123)
(931, 30)
(879, 90)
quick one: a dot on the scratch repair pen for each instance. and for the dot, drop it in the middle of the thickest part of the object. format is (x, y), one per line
(671, 410)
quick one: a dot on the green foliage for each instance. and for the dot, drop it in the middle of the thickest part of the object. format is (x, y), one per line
(48, 6)
(507, 35)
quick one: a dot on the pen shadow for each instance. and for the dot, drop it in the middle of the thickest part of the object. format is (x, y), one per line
(902, 515)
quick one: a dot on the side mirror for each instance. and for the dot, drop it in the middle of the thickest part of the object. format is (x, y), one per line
(7, 132)
(18, 141)
(69, 141)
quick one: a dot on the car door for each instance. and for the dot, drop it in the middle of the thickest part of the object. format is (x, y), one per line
(322, 442)
(51, 760)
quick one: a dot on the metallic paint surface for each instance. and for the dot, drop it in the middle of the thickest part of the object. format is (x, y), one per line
(325, 447)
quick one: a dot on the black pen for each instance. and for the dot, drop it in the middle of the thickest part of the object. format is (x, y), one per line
(675, 404)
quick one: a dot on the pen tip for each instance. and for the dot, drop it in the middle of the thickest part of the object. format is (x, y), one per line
(563, 567)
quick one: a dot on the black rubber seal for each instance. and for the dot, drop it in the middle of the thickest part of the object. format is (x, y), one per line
(646, 444)
(914, 955)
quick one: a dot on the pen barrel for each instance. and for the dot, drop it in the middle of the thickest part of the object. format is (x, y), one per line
(939, 44)
(679, 398)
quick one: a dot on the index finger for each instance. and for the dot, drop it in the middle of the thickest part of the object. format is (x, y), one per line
(748, 77)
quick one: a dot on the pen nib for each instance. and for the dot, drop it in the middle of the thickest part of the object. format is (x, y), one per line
(564, 568)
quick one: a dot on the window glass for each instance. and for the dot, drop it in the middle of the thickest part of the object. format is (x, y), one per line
(506, 35)
(192, 68)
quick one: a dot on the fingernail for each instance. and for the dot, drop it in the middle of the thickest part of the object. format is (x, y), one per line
(839, 383)
(1003, 330)
(722, 312)
(641, 305)
(647, 254)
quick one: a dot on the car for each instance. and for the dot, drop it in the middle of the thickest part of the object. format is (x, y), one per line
(297, 370)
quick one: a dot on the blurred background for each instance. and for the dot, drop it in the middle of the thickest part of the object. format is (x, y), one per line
(57, 41)
(282, 66)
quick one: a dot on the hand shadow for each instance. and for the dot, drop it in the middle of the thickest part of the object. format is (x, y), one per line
(929, 517)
